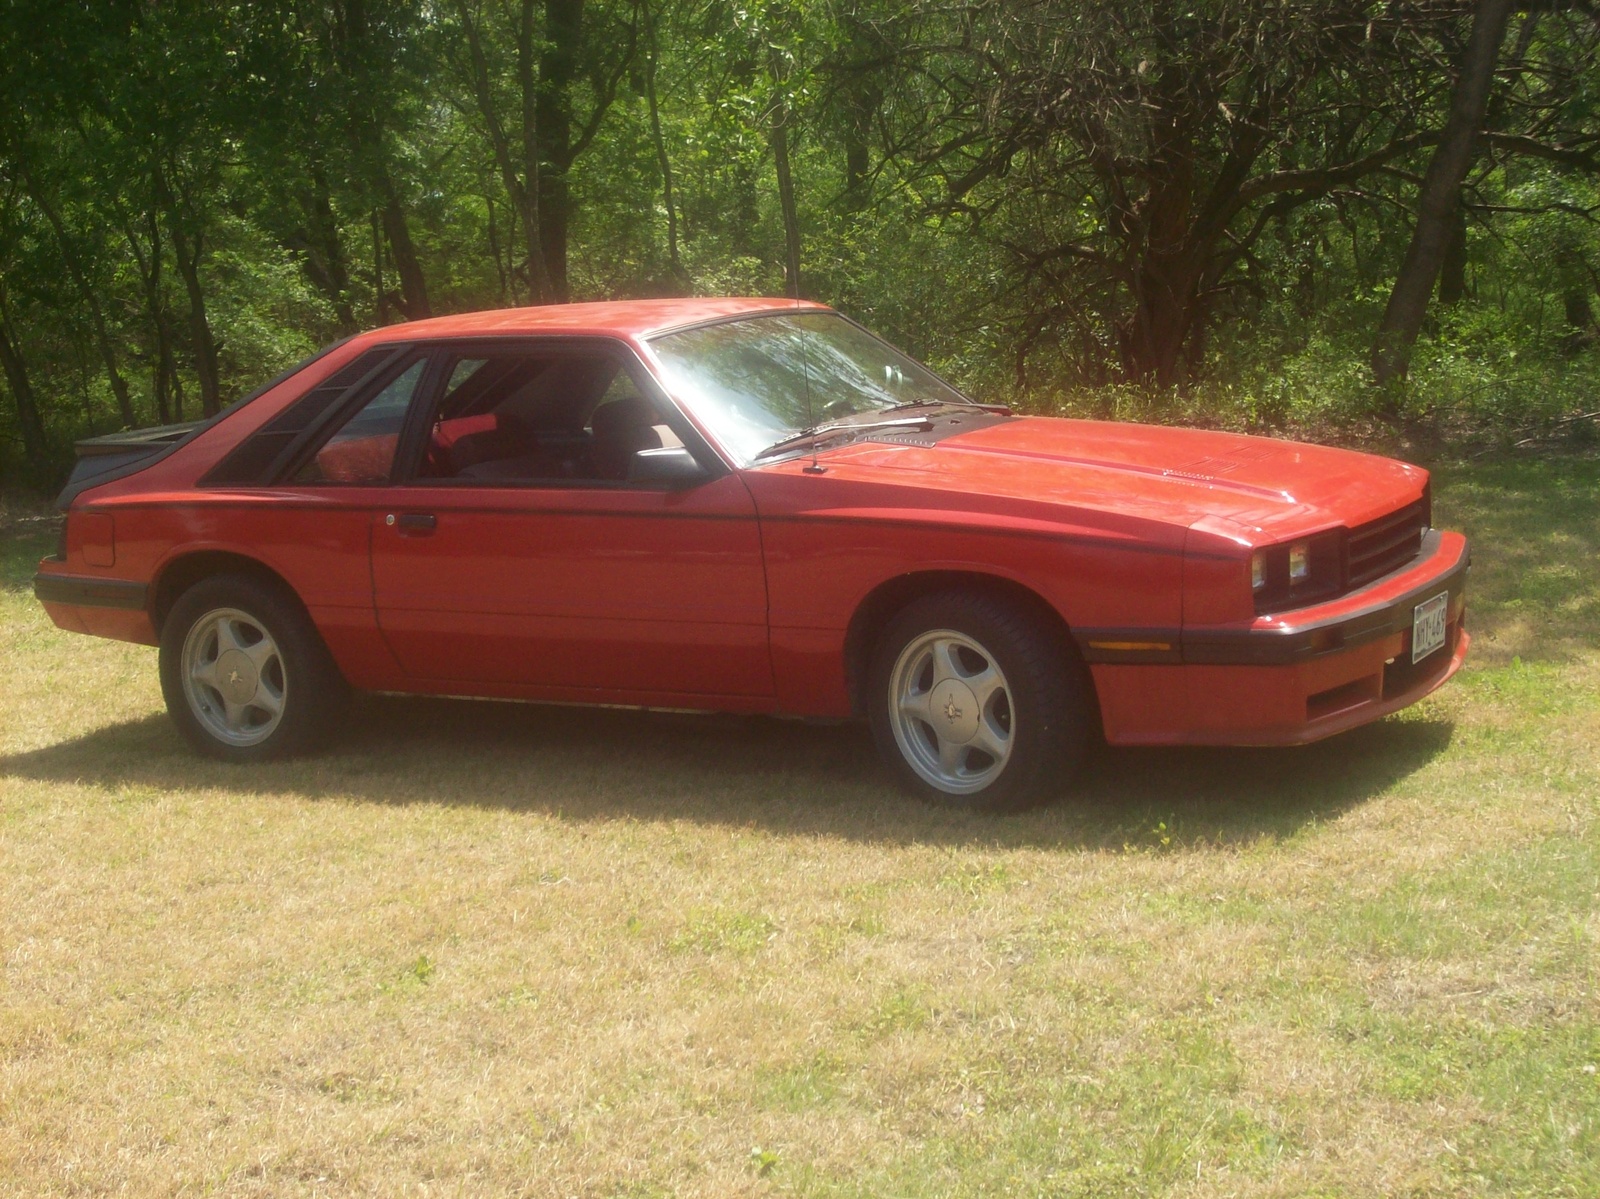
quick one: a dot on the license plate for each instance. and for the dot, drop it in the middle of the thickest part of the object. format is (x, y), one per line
(1427, 626)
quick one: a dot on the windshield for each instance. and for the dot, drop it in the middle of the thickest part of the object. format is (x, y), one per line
(759, 381)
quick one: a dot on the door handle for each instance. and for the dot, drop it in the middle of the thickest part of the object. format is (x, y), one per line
(414, 524)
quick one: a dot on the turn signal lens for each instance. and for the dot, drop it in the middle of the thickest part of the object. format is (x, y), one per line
(1258, 571)
(1299, 562)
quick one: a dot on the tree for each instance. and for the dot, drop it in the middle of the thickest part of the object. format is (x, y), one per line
(780, 119)
(553, 49)
(1130, 157)
(1033, 195)
(1438, 203)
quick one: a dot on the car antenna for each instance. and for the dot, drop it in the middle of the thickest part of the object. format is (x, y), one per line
(816, 468)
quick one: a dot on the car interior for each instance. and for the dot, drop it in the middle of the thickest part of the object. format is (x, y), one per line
(523, 418)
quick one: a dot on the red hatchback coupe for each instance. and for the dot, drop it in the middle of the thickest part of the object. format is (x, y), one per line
(751, 506)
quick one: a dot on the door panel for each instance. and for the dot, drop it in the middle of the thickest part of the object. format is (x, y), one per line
(611, 589)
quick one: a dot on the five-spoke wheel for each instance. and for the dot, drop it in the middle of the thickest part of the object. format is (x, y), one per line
(244, 673)
(978, 701)
(233, 677)
(952, 712)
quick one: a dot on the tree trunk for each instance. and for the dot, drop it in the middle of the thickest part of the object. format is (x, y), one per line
(168, 387)
(91, 299)
(863, 97)
(1579, 312)
(1453, 267)
(779, 119)
(359, 62)
(83, 392)
(29, 423)
(680, 275)
(541, 276)
(325, 259)
(522, 189)
(541, 282)
(187, 247)
(494, 248)
(558, 66)
(380, 298)
(1168, 256)
(413, 287)
(1572, 273)
(160, 375)
(791, 216)
(1163, 318)
(149, 267)
(857, 161)
(205, 346)
(1440, 194)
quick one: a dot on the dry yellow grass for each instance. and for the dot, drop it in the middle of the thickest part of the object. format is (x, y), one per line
(485, 949)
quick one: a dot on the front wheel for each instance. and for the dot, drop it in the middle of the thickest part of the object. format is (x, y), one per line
(243, 671)
(977, 703)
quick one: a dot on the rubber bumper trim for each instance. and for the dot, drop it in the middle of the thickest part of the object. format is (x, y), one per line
(90, 593)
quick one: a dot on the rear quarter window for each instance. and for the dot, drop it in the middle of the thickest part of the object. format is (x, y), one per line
(252, 461)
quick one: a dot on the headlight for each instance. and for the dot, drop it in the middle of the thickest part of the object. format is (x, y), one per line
(1298, 573)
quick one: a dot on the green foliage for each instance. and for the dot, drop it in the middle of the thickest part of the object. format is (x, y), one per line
(194, 195)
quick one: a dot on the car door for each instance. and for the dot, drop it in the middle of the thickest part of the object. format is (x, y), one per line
(299, 493)
(518, 560)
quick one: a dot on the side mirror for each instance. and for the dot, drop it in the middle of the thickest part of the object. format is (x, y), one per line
(672, 465)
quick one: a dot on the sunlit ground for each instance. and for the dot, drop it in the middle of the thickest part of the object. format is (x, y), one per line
(493, 949)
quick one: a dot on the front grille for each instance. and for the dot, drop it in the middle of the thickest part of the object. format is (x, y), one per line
(1386, 544)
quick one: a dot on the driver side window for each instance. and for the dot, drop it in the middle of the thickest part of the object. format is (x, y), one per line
(530, 418)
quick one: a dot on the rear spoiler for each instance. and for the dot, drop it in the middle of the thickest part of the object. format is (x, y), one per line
(118, 455)
(138, 441)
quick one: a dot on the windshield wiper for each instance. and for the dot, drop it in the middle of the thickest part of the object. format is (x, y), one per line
(817, 433)
(998, 409)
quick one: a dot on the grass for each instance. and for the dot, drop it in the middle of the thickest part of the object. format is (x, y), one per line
(503, 950)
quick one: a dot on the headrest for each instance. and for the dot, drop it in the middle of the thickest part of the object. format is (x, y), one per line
(614, 418)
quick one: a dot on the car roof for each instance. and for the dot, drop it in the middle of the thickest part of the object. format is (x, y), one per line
(613, 318)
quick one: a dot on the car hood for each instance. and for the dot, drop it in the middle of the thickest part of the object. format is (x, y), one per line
(1264, 487)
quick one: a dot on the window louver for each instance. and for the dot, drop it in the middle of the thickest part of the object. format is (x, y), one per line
(249, 462)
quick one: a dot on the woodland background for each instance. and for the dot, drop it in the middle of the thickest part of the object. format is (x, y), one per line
(1325, 217)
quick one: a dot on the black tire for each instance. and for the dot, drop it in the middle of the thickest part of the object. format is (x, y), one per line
(300, 675)
(1047, 712)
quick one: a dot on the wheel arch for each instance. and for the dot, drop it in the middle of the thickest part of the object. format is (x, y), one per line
(184, 570)
(891, 597)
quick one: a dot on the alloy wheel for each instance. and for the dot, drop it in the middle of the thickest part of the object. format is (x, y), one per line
(951, 712)
(233, 677)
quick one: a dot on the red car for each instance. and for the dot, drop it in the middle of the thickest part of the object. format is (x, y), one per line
(751, 506)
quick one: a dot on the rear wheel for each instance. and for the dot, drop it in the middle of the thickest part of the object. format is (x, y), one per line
(244, 673)
(976, 703)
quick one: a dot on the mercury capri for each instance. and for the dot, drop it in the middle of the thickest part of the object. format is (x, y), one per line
(750, 505)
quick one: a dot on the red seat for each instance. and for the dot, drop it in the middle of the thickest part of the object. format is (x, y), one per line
(465, 441)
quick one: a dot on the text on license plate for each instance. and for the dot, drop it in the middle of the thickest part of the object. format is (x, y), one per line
(1427, 626)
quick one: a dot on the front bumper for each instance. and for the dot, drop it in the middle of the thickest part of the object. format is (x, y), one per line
(1372, 614)
(1296, 677)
